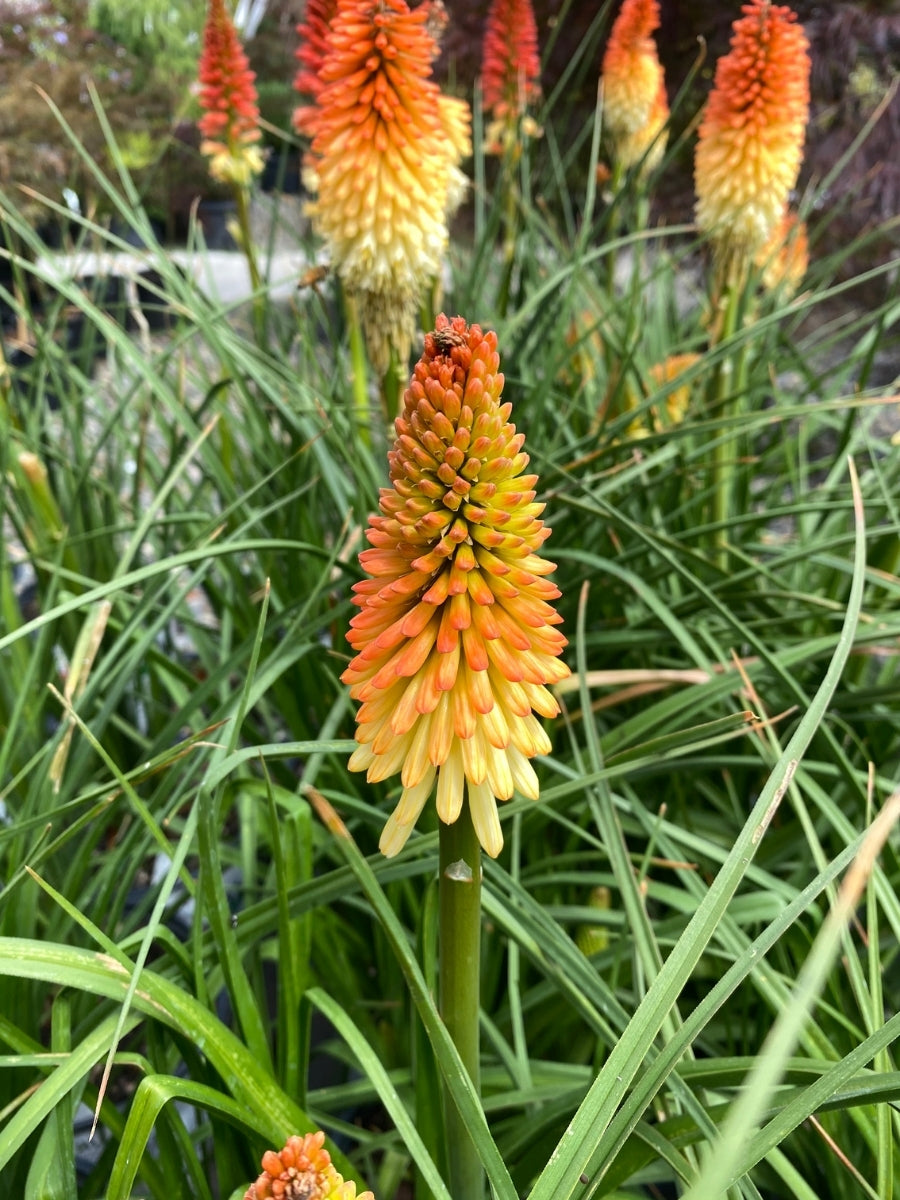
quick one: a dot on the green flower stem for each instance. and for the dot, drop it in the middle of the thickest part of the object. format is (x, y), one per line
(459, 962)
(608, 263)
(242, 200)
(728, 385)
(430, 306)
(509, 188)
(361, 409)
(511, 211)
(392, 385)
(7, 419)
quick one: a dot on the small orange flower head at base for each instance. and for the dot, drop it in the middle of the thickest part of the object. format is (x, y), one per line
(302, 1170)
(229, 126)
(456, 639)
(750, 142)
(635, 105)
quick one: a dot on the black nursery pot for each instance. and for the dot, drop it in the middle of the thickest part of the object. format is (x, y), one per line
(281, 173)
(214, 217)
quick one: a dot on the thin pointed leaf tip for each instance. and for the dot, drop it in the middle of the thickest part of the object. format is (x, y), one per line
(456, 637)
(302, 1170)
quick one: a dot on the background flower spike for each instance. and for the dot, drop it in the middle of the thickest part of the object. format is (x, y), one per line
(384, 165)
(635, 106)
(750, 142)
(230, 122)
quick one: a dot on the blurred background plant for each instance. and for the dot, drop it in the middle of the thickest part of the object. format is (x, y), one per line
(51, 49)
(155, 31)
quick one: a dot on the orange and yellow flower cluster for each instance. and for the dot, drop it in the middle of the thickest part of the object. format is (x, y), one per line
(511, 68)
(302, 1170)
(384, 163)
(635, 106)
(750, 143)
(784, 258)
(230, 123)
(677, 401)
(313, 31)
(456, 637)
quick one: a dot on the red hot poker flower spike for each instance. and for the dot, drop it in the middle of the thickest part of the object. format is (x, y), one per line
(750, 142)
(456, 638)
(511, 69)
(635, 107)
(381, 165)
(230, 122)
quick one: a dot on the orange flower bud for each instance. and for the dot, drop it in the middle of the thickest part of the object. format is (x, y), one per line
(303, 1170)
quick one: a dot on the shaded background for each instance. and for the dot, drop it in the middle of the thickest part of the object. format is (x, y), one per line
(143, 81)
